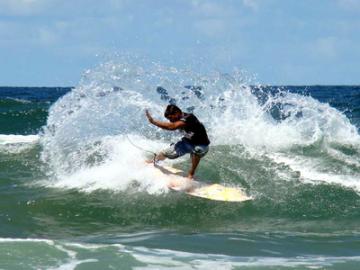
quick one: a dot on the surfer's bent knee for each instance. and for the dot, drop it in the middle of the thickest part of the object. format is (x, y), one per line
(176, 150)
(169, 154)
(200, 150)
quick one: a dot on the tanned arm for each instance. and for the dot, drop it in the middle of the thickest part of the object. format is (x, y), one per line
(164, 125)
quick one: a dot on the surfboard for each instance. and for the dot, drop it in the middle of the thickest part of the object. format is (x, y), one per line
(216, 192)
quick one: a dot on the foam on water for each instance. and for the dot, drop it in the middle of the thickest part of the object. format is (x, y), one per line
(14, 139)
(14, 144)
(123, 165)
(50, 254)
(313, 171)
(86, 146)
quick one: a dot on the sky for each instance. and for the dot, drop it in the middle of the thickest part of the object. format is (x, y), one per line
(279, 42)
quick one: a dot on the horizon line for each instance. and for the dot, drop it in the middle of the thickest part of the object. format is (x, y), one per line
(255, 85)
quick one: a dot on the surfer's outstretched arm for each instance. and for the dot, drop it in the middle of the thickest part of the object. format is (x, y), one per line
(165, 125)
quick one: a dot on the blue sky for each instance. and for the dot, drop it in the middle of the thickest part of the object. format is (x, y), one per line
(52, 42)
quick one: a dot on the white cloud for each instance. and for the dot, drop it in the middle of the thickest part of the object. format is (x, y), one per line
(13, 33)
(23, 7)
(211, 27)
(62, 23)
(47, 36)
(211, 17)
(60, 7)
(253, 4)
(353, 5)
(325, 47)
(211, 9)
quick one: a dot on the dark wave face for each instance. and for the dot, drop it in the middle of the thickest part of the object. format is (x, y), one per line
(24, 110)
(76, 193)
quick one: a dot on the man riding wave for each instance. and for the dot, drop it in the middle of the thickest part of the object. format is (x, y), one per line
(195, 141)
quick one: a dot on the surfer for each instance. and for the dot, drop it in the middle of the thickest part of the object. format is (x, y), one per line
(195, 141)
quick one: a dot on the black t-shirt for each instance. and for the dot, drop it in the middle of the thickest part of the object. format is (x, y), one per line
(195, 130)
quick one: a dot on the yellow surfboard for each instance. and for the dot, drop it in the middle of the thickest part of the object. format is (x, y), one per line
(214, 192)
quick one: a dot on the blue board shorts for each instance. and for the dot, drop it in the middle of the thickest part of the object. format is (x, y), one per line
(185, 147)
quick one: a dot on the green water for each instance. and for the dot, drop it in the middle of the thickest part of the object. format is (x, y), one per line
(288, 224)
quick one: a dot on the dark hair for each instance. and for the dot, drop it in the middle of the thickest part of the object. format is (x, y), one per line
(171, 109)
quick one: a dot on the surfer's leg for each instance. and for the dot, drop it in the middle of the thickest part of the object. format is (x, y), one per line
(195, 160)
(198, 152)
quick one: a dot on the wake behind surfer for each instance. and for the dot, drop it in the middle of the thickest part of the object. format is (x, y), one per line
(195, 141)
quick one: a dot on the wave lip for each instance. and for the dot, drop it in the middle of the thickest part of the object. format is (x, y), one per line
(15, 144)
(18, 139)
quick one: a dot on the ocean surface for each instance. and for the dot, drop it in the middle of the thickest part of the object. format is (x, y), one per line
(74, 192)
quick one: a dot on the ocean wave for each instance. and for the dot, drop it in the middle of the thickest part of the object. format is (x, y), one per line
(50, 254)
(13, 101)
(85, 142)
(14, 144)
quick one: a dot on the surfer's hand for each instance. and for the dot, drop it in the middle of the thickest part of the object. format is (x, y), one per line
(149, 117)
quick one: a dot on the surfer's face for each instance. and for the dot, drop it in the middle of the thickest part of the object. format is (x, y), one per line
(174, 117)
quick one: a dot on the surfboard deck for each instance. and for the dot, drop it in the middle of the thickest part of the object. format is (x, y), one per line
(216, 192)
